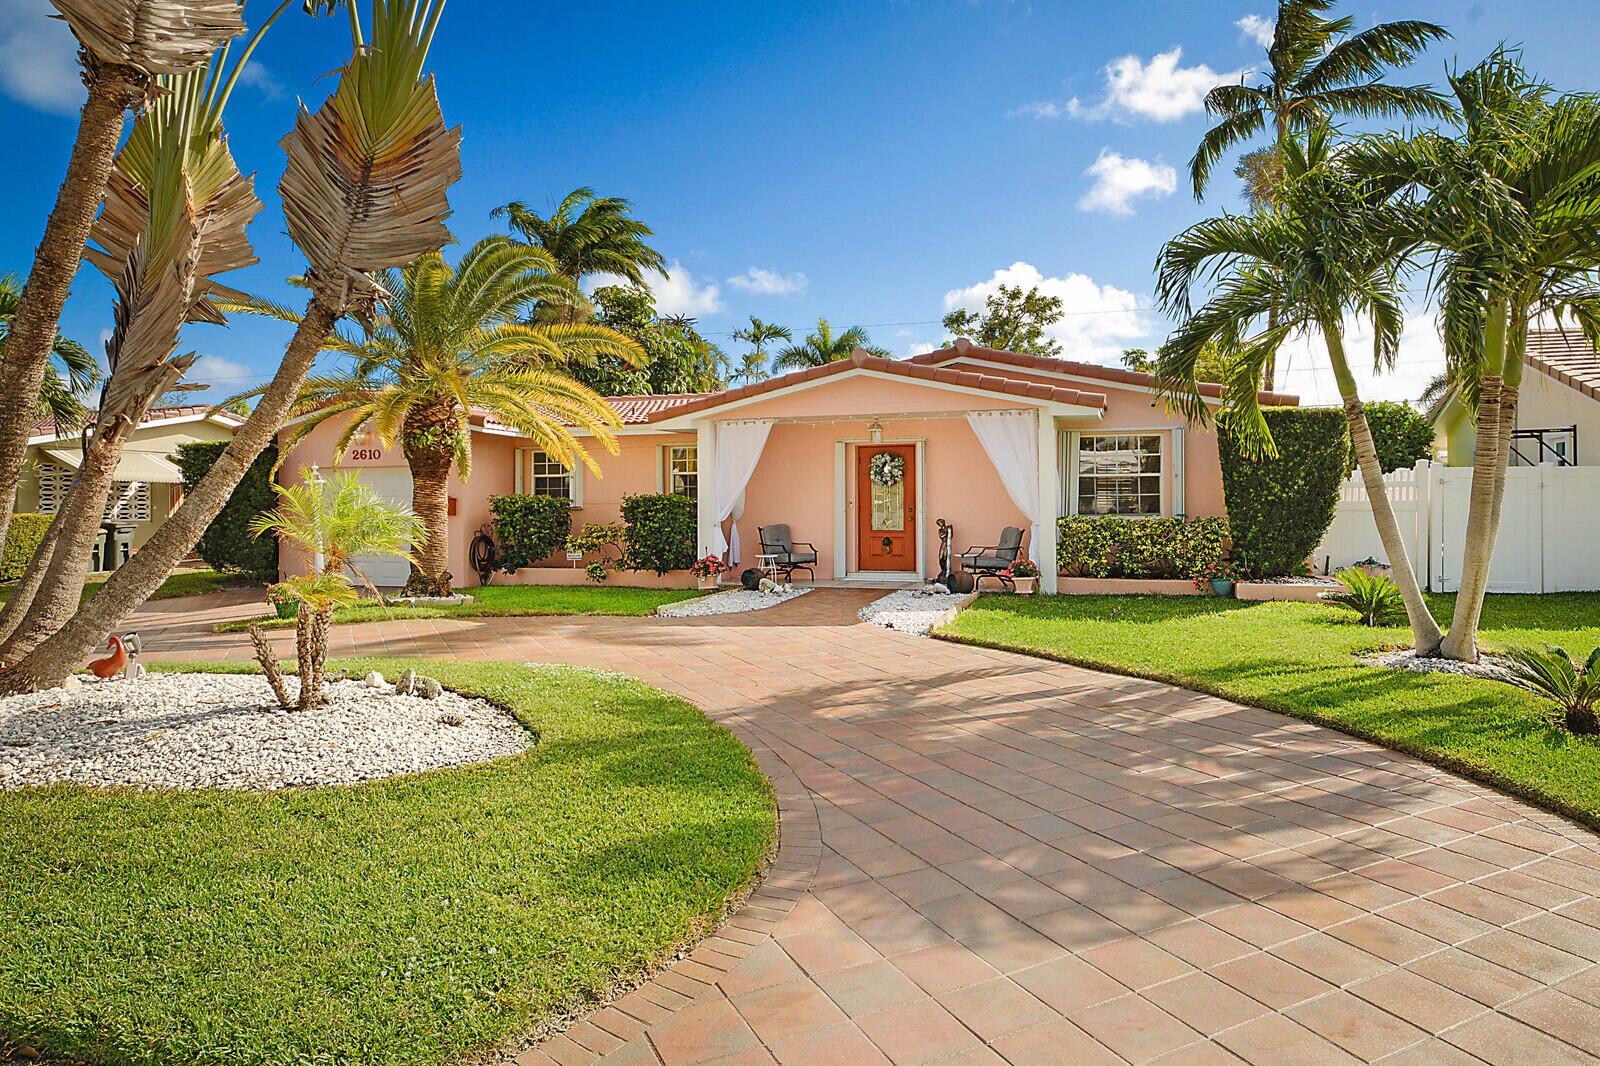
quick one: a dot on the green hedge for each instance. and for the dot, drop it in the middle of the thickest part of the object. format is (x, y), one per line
(22, 540)
(1279, 509)
(529, 529)
(1092, 546)
(227, 544)
(660, 532)
(1402, 434)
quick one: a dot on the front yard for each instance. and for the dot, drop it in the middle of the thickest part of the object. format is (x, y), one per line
(1300, 659)
(416, 920)
(506, 600)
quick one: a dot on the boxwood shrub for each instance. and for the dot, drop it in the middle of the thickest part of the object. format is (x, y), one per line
(1096, 546)
(1279, 509)
(529, 529)
(227, 544)
(660, 532)
(1401, 433)
(22, 540)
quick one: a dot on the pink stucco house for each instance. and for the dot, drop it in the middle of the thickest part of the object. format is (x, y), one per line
(988, 439)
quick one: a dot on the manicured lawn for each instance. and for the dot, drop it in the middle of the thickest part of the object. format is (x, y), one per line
(1299, 658)
(504, 600)
(181, 583)
(416, 920)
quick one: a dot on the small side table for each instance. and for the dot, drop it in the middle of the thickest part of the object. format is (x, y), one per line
(768, 566)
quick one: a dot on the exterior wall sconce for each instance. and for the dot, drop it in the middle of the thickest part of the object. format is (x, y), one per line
(875, 432)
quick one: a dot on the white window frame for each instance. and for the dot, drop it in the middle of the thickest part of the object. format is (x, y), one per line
(667, 472)
(1170, 467)
(523, 476)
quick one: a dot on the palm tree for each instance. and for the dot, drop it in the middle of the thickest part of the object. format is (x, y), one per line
(1511, 203)
(758, 335)
(1332, 247)
(60, 398)
(448, 345)
(123, 46)
(176, 214)
(587, 234)
(338, 520)
(365, 189)
(823, 347)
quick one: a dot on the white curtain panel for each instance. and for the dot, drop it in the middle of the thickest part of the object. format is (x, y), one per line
(733, 541)
(738, 448)
(1011, 439)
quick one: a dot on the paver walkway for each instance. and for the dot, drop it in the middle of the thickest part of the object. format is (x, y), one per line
(992, 859)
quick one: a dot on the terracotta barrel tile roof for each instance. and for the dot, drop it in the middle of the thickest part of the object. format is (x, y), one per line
(47, 426)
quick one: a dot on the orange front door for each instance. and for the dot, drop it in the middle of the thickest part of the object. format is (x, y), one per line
(886, 520)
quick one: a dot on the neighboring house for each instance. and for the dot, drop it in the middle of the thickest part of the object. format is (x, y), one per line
(148, 485)
(1558, 408)
(988, 439)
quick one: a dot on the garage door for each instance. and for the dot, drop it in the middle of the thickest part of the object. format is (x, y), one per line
(394, 486)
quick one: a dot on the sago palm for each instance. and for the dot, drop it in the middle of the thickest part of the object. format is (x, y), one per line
(1512, 204)
(123, 46)
(824, 346)
(364, 190)
(1330, 249)
(335, 520)
(176, 215)
(71, 372)
(449, 344)
(758, 334)
(586, 234)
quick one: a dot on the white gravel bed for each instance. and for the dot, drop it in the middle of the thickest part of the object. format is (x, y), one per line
(911, 610)
(1488, 666)
(227, 731)
(735, 602)
(1315, 580)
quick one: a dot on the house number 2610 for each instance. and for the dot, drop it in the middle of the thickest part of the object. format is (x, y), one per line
(366, 453)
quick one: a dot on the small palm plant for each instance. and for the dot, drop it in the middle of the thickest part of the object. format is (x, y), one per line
(333, 521)
(1551, 673)
(1376, 599)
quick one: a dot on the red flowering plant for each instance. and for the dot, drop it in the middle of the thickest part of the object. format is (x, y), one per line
(1021, 568)
(1221, 570)
(710, 566)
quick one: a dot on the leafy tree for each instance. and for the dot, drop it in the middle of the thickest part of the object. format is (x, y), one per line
(1331, 248)
(1400, 433)
(1011, 321)
(676, 357)
(587, 234)
(59, 397)
(449, 343)
(824, 347)
(1210, 365)
(758, 335)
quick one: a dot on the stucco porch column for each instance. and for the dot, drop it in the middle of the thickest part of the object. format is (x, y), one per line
(1049, 500)
(705, 464)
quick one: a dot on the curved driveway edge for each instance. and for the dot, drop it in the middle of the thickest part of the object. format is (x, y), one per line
(1024, 862)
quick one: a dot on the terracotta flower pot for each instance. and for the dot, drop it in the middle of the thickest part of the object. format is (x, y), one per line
(1026, 585)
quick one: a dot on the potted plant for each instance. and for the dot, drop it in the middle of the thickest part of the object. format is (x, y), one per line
(708, 570)
(284, 603)
(1219, 577)
(1024, 574)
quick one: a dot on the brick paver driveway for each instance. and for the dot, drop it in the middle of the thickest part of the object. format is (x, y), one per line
(991, 859)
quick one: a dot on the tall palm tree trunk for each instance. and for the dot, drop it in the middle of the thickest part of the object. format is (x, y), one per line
(1477, 545)
(52, 661)
(1424, 630)
(430, 462)
(113, 89)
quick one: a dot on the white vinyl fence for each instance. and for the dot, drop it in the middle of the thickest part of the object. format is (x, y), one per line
(1549, 538)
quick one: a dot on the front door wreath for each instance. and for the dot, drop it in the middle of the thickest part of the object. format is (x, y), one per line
(887, 469)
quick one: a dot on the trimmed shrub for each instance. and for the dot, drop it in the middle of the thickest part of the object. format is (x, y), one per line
(22, 540)
(227, 544)
(661, 532)
(1093, 546)
(1279, 509)
(1403, 436)
(529, 529)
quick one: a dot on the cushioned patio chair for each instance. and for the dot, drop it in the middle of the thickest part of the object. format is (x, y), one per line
(991, 560)
(776, 542)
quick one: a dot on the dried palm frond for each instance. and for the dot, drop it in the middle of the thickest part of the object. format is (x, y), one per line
(154, 36)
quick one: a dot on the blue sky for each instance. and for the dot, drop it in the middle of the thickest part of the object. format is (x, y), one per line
(873, 162)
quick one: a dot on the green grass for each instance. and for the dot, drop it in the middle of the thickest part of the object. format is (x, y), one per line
(409, 921)
(505, 600)
(181, 583)
(1300, 658)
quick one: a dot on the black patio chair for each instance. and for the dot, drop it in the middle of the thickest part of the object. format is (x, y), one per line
(776, 542)
(991, 560)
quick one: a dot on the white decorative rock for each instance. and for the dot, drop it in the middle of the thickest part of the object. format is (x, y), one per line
(72, 682)
(374, 680)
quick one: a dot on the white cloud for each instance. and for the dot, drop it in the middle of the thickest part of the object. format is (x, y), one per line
(1118, 180)
(1303, 367)
(225, 376)
(677, 294)
(262, 79)
(39, 57)
(1098, 321)
(1257, 29)
(922, 348)
(1159, 90)
(768, 282)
